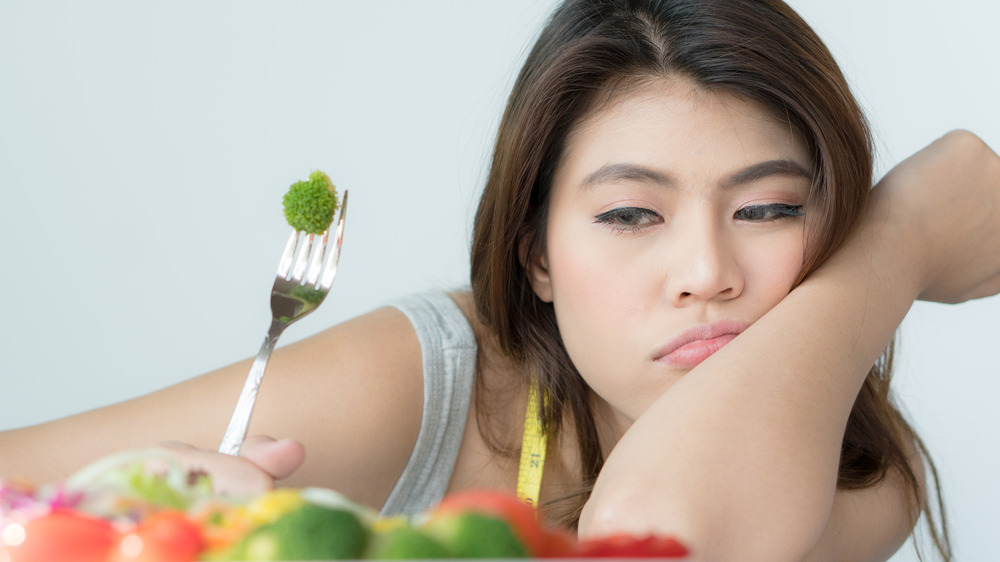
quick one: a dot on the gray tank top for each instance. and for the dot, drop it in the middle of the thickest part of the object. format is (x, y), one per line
(448, 349)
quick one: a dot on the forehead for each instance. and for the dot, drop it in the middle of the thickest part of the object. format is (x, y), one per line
(676, 123)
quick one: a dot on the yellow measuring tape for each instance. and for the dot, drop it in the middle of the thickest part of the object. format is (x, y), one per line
(533, 443)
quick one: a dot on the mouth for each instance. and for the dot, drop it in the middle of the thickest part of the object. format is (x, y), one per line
(698, 343)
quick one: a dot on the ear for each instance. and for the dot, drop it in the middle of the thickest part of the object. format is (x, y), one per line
(537, 268)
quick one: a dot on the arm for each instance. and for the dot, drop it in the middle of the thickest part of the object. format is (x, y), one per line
(746, 454)
(324, 382)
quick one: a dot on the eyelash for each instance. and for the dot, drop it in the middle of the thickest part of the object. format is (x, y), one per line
(775, 212)
(772, 212)
(613, 217)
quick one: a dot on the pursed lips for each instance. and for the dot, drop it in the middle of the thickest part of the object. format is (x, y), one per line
(698, 343)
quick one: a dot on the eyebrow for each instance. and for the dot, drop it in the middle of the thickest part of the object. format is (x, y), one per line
(634, 172)
(766, 169)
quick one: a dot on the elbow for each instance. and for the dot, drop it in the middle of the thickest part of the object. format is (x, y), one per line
(635, 514)
(624, 511)
(603, 518)
(708, 530)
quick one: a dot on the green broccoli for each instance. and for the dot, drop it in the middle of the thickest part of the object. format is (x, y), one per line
(311, 532)
(310, 204)
(475, 535)
(405, 543)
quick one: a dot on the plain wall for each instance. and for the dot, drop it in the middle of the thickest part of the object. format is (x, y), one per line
(145, 147)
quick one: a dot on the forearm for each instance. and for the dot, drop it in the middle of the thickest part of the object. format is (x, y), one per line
(741, 455)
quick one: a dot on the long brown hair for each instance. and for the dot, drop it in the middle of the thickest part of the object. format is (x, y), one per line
(588, 51)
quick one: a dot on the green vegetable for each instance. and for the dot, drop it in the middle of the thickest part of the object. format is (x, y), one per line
(476, 535)
(310, 204)
(159, 490)
(405, 543)
(143, 476)
(311, 532)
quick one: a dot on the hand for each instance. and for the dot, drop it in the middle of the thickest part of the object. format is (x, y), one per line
(941, 208)
(261, 462)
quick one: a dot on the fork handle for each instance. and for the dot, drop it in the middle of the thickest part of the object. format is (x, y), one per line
(240, 422)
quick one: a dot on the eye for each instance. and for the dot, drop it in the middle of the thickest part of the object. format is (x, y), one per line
(629, 219)
(768, 213)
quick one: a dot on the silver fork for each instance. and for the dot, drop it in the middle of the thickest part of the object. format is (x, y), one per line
(302, 282)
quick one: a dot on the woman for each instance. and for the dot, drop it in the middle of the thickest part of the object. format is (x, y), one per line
(590, 57)
(619, 49)
(675, 243)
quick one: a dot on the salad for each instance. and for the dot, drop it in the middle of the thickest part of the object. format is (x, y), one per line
(137, 506)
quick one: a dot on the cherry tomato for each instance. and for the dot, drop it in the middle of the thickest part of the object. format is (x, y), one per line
(67, 536)
(166, 536)
(628, 546)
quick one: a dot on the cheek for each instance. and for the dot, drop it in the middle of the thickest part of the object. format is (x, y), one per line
(580, 277)
(603, 301)
(772, 268)
(590, 288)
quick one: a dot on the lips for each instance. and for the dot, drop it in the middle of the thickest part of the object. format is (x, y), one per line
(698, 343)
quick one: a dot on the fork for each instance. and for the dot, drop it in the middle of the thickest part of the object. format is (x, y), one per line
(302, 282)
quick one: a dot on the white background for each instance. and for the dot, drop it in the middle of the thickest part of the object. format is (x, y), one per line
(145, 147)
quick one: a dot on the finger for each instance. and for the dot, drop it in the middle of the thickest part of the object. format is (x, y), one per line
(279, 458)
(230, 475)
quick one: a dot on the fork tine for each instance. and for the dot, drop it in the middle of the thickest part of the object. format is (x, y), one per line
(333, 255)
(312, 274)
(302, 258)
(286, 256)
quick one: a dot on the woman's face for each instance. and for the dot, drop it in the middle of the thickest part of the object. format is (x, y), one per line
(675, 221)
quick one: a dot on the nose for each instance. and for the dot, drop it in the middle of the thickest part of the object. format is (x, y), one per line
(703, 268)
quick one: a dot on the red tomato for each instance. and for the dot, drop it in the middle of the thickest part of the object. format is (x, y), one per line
(166, 536)
(628, 546)
(558, 545)
(67, 536)
(538, 541)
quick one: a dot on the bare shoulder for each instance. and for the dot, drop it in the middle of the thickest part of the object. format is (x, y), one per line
(464, 301)
(489, 350)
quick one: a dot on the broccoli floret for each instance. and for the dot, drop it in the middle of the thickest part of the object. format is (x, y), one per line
(475, 535)
(405, 543)
(310, 204)
(310, 532)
